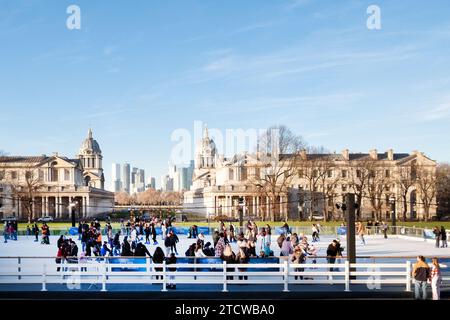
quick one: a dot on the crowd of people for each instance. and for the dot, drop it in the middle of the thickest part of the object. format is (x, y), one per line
(132, 238)
(10, 231)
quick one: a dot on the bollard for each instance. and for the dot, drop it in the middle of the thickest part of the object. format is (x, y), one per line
(44, 277)
(224, 266)
(104, 276)
(164, 277)
(286, 276)
(408, 275)
(147, 261)
(19, 269)
(347, 276)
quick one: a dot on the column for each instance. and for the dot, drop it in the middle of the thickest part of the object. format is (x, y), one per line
(257, 206)
(254, 205)
(216, 204)
(33, 207)
(87, 211)
(46, 207)
(57, 207)
(281, 207)
(267, 209)
(19, 205)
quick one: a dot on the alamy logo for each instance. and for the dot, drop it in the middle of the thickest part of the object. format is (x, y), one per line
(374, 281)
(374, 19)
(74, 20)
(73, 281)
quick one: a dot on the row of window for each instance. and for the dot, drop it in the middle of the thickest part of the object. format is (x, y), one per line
(53, 175)
(345, 173)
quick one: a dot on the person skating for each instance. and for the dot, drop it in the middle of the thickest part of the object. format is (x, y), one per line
(36, 232)
(443, 235)
(384, 228)
(361, 231)
(147, 233)
(153, 232)
(437, 236)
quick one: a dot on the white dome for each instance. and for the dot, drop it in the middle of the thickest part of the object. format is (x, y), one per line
(90, 146)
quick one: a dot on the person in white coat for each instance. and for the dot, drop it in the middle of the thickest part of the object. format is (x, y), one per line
(436, 279)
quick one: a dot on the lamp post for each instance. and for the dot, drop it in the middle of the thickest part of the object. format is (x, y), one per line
(73, 207)
(394, 220)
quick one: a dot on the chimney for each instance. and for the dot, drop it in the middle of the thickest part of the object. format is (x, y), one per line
(346, 154)
(303, 155)
(390, 154)
(373, 154)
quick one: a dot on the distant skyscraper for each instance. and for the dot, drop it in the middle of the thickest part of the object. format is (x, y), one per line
(126, 177)
(153, 182)
(116, 183)
(181, 177)
(166, 183)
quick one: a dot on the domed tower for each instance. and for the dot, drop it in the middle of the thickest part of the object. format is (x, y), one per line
(206, 152)
(91, 157)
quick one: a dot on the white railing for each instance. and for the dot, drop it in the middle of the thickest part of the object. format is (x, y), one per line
(44, 271)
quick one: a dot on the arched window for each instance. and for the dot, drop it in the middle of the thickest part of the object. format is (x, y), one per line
(54, 172)
(87, 180)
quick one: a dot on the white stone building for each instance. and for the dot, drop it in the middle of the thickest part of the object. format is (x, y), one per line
(228, 186)
(55, 185)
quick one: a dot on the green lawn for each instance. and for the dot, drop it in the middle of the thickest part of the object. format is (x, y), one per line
(446, 224)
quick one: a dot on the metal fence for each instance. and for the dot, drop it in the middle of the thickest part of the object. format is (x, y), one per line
(106, 271)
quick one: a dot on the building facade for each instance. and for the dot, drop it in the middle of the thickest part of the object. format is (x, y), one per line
(310, 185)
(36, 186)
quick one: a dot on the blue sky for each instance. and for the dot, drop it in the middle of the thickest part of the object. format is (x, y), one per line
(136, 71)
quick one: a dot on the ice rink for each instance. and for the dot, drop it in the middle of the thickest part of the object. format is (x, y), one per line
(375, 245)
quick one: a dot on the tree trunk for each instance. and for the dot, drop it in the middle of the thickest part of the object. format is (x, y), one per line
(325, 211)
(405, 207)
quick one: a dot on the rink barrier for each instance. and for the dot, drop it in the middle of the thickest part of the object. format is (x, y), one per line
(337, 231)
(102, 272)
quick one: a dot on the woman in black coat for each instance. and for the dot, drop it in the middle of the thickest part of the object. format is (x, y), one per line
(171, 260)
(158, 257)
(126, 248)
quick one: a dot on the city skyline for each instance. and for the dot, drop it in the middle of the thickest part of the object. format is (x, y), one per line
(315, 68)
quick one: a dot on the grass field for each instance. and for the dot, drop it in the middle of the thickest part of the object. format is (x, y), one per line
(446, 224)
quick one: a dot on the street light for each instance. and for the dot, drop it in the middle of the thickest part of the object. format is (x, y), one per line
(392, 203)
(73, 206)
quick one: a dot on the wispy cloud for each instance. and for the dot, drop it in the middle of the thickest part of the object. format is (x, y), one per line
(108, 50)
(291, 62)
(294, 4)
(323, 102)
(437, 112)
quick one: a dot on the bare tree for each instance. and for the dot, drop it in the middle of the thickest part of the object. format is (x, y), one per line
(328, 182)
(122, 198)
(277, 149)
(376, 187)
(405, 180)
(314, 166)
(443, 188)
(426, 183)
(26, 187)
(360, 175)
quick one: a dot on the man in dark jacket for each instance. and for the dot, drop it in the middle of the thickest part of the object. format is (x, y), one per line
(141, 250)
(421, 273)
(332, 253)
